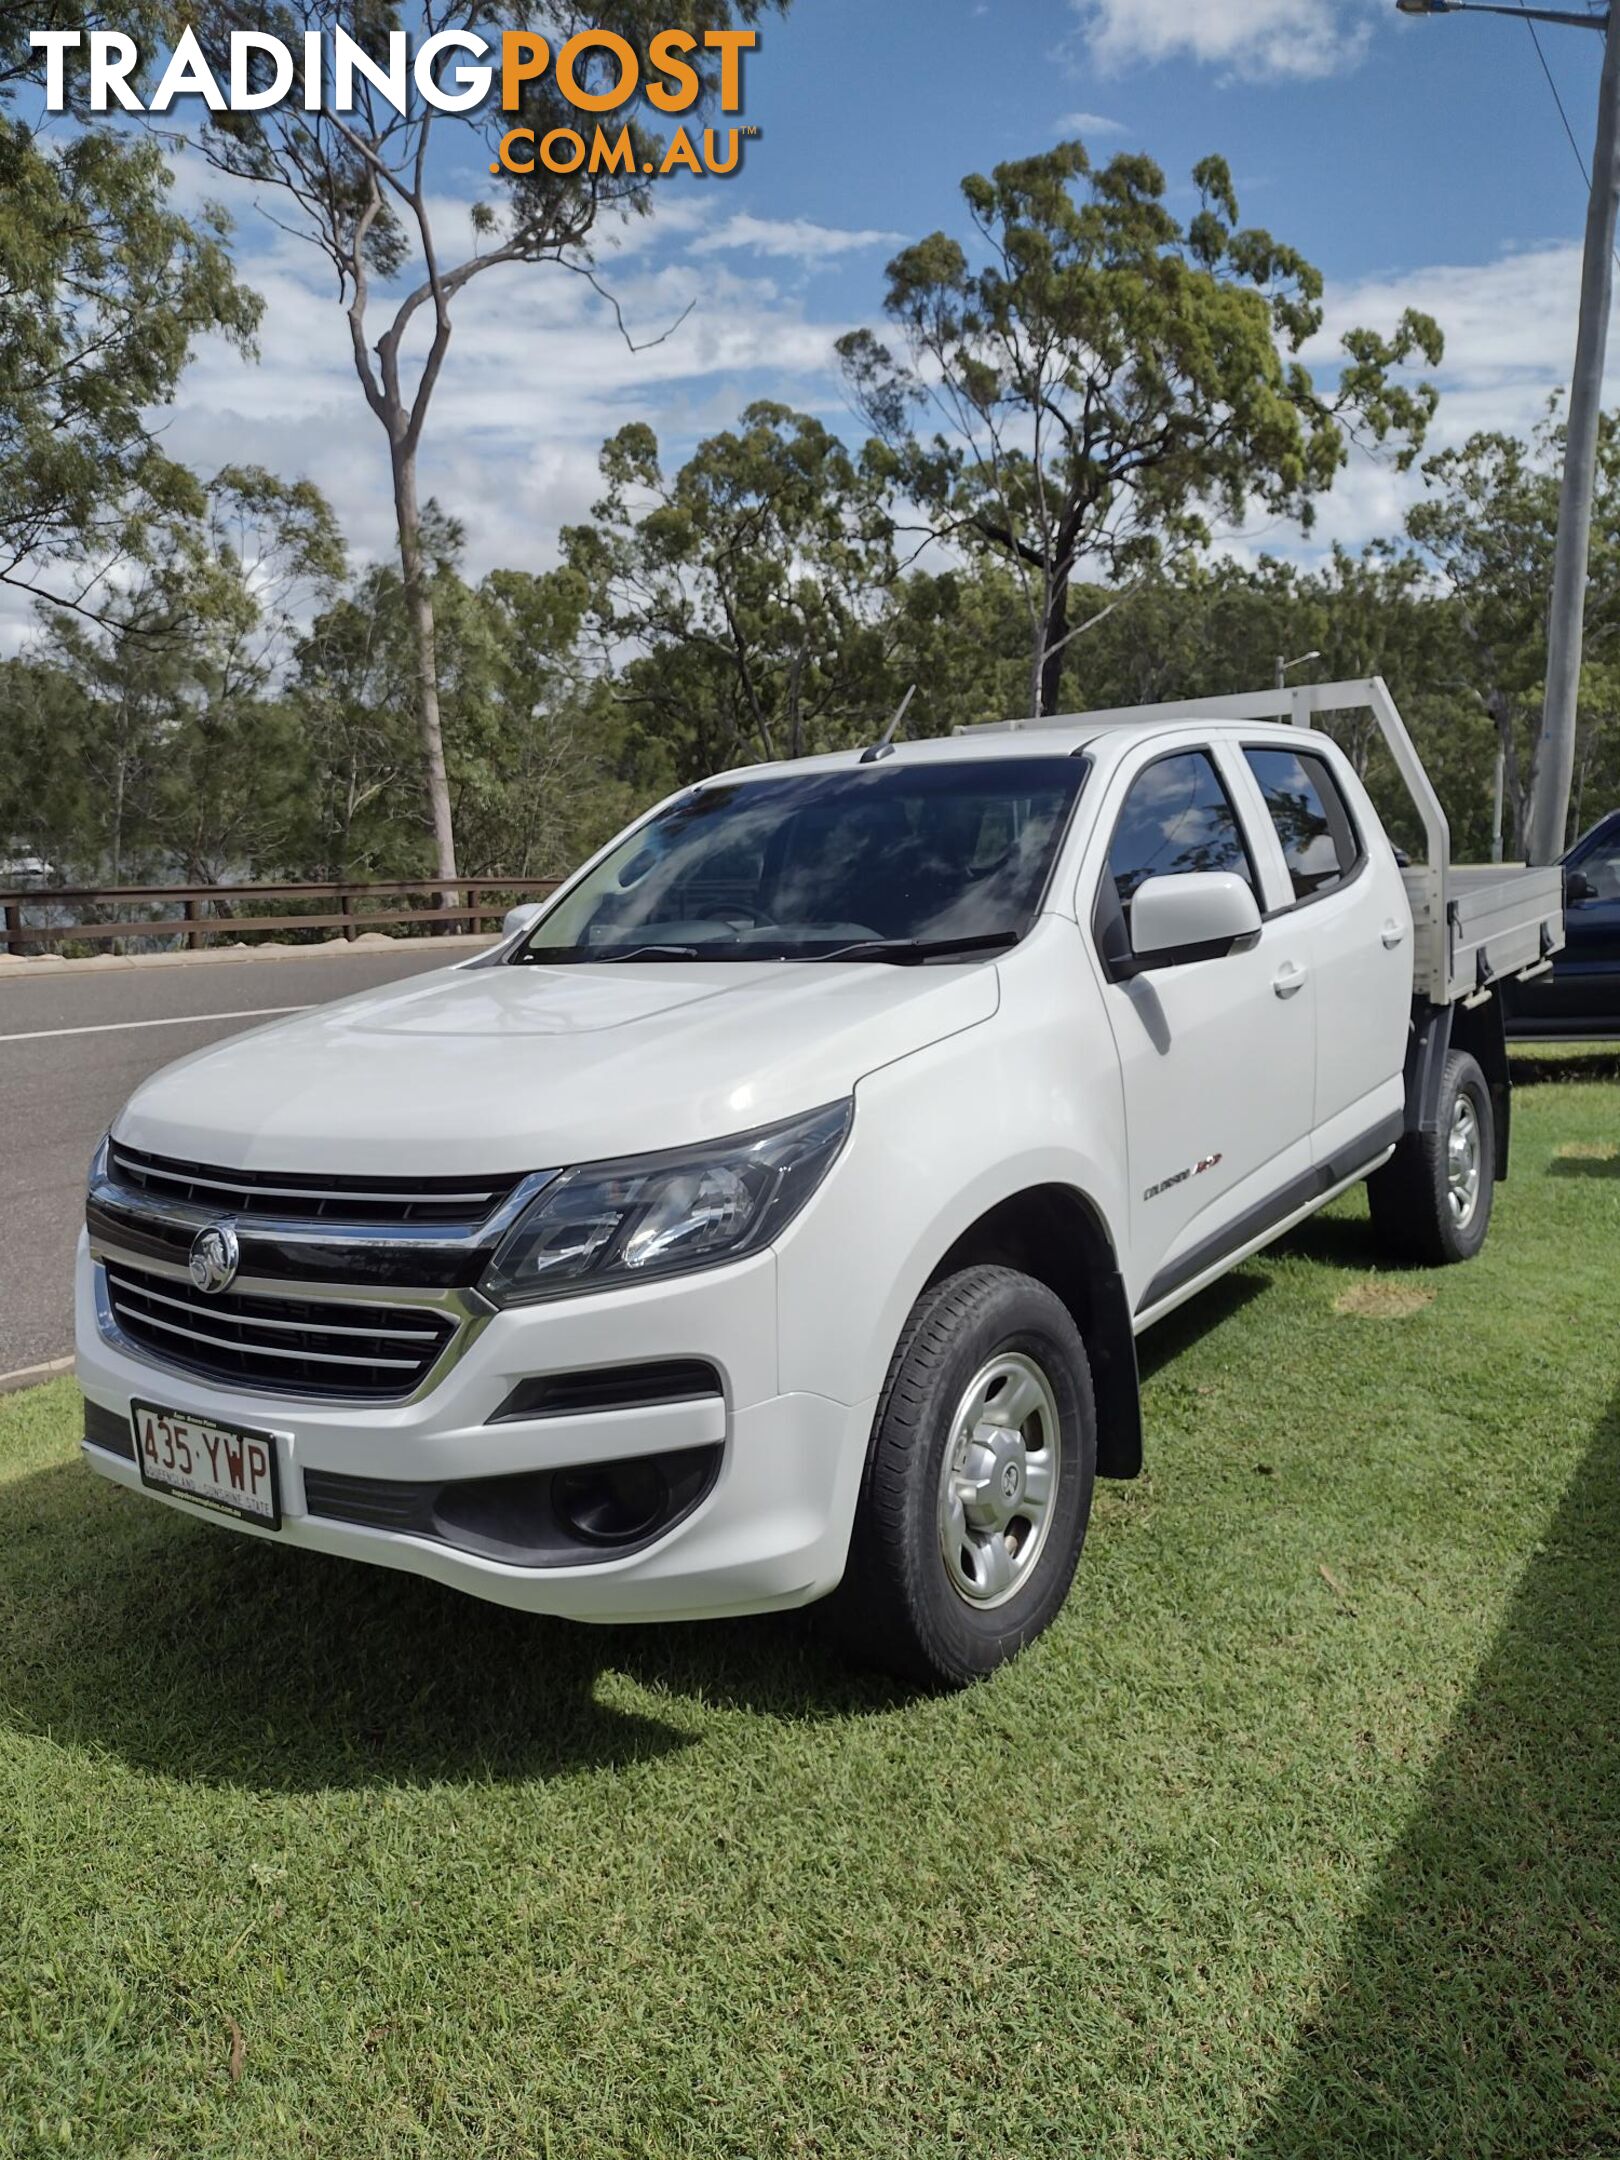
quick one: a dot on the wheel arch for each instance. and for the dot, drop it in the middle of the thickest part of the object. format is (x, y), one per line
(1053, 1233)
(1437, 1030)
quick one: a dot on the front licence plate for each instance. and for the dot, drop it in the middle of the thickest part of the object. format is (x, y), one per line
(221, 1466)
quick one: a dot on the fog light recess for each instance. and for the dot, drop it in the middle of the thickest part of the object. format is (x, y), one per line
(612, 1503)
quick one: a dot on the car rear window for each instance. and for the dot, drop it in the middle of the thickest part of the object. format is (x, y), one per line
(1312, 820)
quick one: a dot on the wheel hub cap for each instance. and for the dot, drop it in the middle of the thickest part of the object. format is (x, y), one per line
(1463, 1162)
(999, 1480)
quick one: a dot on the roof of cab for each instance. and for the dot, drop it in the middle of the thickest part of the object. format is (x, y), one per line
(1063, 736)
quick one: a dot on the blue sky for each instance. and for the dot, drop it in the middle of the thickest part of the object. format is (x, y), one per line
(1419, 163)
(1373, 142)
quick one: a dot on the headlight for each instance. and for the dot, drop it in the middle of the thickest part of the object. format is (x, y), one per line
(612, 1223)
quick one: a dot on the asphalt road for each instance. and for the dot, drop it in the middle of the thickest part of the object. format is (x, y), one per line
(72, 1047)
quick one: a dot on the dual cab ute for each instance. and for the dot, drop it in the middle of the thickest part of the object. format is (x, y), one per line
(772, 1218)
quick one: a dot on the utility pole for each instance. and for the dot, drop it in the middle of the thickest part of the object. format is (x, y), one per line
(1566, 615)
(1566, 622)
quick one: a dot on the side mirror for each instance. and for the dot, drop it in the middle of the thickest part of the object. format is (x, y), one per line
(1194, 915)
(1578, 887)
(519, 918)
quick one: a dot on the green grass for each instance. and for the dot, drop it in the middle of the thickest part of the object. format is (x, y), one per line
(1300, 1834)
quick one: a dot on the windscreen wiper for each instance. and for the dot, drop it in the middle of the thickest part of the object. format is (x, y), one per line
(601, 955)
(652, 952)
(912, 952)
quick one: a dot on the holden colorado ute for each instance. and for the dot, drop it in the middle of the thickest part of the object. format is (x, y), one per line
(771, 1216)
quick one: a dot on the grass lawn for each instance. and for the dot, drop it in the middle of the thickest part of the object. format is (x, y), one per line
(1299, 1835)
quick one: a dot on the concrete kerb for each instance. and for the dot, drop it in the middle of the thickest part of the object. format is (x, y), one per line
(13, 1383)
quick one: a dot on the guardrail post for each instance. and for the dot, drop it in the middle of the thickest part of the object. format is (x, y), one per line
(14, 926)
(193, 937)
(346, 910)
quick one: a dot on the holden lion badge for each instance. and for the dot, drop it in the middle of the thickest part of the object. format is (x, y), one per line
(215, 1258)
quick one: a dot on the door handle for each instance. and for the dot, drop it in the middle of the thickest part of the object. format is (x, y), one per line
(1289, 980)
(1393, 934)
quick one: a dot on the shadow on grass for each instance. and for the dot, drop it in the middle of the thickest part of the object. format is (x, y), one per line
(1200, 1316)
(1343, 1241)
(1558, 1064)
(206, 1656)
(1584, 1166)
(1477, 2012)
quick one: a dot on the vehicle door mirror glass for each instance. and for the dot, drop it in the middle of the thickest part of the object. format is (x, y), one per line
(1578, 887)
(1193, 915)
(519, 918)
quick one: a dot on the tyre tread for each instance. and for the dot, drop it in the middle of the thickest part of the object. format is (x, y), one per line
(1408, 1197)
(881, 1611)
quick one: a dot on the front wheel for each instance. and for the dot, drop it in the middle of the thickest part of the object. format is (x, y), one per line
(978, 1481)
(1431, 1202)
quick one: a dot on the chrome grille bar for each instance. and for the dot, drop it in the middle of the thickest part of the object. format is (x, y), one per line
(224, 1342)
(267, 1341)
(306, 1327)
(452, 1203)
(318, 1193)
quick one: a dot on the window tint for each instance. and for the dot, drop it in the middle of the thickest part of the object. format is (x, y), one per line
(1177, 817)
(1601, 867)
(804, 864)
(1318, 839)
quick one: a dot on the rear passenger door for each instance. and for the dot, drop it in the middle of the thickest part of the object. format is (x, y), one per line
(1349, 900)
(1217, 1056)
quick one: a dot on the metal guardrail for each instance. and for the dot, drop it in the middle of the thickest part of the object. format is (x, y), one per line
(206, 912)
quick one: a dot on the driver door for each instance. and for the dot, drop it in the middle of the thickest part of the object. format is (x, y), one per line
(1217, 1056)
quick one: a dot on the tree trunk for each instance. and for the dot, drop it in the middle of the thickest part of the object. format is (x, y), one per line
(419, 614)
(1053, 631)
(1516, 790)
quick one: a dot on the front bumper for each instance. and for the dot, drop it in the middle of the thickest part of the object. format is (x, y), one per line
(772, 1531)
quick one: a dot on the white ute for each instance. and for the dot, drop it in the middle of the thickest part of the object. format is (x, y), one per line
(773, 1216)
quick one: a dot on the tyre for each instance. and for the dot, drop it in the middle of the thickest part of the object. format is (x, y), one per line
(977, 1487)
(1431, 1202)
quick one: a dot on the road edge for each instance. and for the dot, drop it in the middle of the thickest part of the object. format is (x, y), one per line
(27, 1376)
(25, 969)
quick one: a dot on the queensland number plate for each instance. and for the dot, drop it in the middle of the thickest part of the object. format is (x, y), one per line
(221, 1466)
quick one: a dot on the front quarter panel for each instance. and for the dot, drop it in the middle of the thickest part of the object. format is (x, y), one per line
(941, 1137)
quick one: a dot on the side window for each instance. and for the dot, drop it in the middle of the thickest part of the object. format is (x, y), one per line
(1601, 867)
(1318, 838)
(1177, 817)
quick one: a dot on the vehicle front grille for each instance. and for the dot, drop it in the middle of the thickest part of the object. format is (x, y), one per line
(280, 1345)
(455, 1203)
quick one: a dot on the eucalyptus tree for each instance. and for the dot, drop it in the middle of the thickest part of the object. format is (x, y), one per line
(155, 737)
(1488, 524)
(105, 289)
(751, 585)
(366, 188)
(1093, 384)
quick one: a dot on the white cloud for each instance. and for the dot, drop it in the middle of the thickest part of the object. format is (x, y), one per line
(1510, 343)
(799, 238)
(536, 378)
(1260, 37)
(1089, 123)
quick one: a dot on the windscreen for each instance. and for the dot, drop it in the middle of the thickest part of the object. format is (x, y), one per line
(888, 861)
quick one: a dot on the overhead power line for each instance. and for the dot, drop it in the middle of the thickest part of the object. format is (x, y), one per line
(1552, 85)
(1535, 39)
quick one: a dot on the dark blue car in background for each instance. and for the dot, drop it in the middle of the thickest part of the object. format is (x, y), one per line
(1580, 998)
